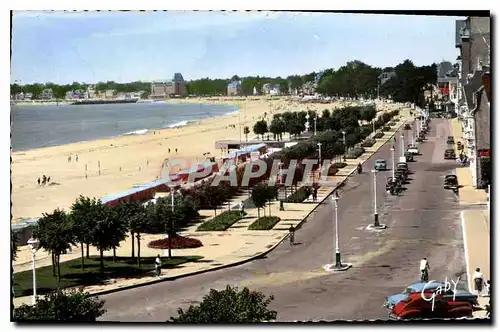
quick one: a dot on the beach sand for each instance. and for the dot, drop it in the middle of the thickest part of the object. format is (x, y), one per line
(128, 160)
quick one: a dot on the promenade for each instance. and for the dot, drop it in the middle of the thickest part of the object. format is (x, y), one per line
(475, 223)
(220, 249)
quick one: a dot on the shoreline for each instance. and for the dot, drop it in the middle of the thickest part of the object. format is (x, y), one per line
(111, 165)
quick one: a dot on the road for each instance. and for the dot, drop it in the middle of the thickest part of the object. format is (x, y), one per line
(422, 222)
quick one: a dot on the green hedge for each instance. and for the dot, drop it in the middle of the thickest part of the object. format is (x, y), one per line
(355, 153)
(299, 196)
(339, 165)
(386, 128)
(264, 223)
(221, 222)
(392, 123)
(378, 135)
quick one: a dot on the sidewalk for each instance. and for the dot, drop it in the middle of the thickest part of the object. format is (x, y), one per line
(476, 234)
(228, 247)
(468, 194)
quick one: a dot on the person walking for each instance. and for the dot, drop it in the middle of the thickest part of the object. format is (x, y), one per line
(48, 180)
(291, 234)
(315, 194)
(158, 265)
(76, 158)
(479, 281)
(38, 181)
(424, 270)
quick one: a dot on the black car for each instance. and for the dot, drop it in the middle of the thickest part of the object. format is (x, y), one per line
(450, 140)
(407, 127)
(400, 175)
(403, 167)
(408, 156)
(450, 181)
(390, 182)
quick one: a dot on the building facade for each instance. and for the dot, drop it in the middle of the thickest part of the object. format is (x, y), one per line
(473, 94)
(234, 88)
(169, 89)
(271, 89)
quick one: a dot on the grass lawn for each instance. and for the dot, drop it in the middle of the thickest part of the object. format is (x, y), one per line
(221, 222)
(264, 223)
(73, 275)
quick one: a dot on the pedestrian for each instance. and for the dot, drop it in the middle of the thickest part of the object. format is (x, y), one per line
(99, 164)
(85, 176)
(69, 159)
(120, 168)
(175, 150)
(85, 167)
(38, 181)
(44, 180)
(76, 158)
(158, 265)
(168, 150)
(315, 194)
(242, 208)
(479, 281)
(147, 162)
(291, 234)
(48, 180)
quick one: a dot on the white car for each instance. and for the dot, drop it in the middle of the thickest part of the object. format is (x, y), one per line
(413, 149)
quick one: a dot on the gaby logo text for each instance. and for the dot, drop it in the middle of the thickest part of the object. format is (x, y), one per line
(429, 294)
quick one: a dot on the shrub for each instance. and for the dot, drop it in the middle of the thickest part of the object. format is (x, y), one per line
(392, 123)
(386, 128)
(221, 222)
(264, 223)
(339, 165)
(368, 143)
(178, 242)
(355, 153)
(378, 135)
(299, 196)
(332, 171)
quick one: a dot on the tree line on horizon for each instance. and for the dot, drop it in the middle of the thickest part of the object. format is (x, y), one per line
(355, 79)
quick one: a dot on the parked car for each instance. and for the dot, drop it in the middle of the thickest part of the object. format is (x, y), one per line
(450, 140)
(390, 179)
(413, 149)
(409, 156)
(450, 181)
(416, 307)
(449, 154)
(400, 175)
(417, 287)
(407, 127)
(403, 166)
(380, 165)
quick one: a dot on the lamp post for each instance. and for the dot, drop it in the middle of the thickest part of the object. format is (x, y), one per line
(393, 163)
(315, 120)
(171, 222)
(319, 153)
(33, 244)
(282, 188)
(307, 122)
(345, 148)
(376, 223)
(373, 124)
(402, 145)
(337, 264)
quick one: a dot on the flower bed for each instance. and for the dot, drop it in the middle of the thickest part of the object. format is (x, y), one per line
(368, 143)
(379, 135)
(264, 223)
(299, 196)
(339, 165)
(178, 242)
(221, 222)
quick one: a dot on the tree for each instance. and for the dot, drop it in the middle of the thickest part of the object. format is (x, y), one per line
(260, 128)
(107, 233)
(228, 306)
(83, 217)
(133, 213)
(246, 131)
(277, 127)
(260, 196)
(54, 231)
(62, 306)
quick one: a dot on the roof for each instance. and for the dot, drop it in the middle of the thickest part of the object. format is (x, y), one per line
(245, 150)
(234, 84)
(134, 190)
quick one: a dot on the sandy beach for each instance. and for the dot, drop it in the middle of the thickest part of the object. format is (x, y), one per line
(128, 160)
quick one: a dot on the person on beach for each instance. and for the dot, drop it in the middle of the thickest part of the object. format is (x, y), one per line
(168, 150)
(69, 159)
(158, 265)
(38, 181)
(44, 180)
(76, 158)
(175, 150)
(48, 180)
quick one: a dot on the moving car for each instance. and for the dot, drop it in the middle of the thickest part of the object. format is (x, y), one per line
(450, 140)
(450, 181)
(417, 287)
(380, 165)
(416, 307)
(413, 149)
(449, 154)
(409, 156)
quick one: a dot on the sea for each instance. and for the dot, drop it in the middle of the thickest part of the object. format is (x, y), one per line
(37, 126)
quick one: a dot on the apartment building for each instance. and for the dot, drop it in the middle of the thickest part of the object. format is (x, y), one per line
(168, 89)
(234, 88)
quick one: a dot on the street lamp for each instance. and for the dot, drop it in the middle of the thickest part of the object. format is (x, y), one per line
(315, 120)
(337, 265)
(171, 222)
(373, 124)
(393, 162)
(282, 188)
(33, 244)
(307, 122)
(345, 148)
(402, 145)
(376, 224)
(319, 152)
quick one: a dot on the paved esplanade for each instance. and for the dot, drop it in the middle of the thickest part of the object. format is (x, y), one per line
(423, 222)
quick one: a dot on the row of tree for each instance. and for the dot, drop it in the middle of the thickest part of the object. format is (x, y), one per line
(355, 79)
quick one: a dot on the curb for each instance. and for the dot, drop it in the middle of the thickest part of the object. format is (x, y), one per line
(466, 253)
(246, 260)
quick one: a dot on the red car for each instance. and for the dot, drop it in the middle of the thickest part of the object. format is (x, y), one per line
(415, 307)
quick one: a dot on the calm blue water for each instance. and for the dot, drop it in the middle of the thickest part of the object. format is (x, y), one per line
(50, 125)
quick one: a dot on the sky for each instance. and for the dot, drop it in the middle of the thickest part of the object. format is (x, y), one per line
(63, 47)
